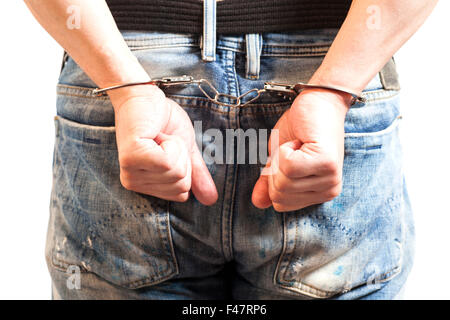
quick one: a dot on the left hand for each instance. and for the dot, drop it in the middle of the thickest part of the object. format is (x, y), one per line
(306, 168)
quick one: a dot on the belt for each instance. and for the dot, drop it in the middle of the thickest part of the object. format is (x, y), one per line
(233, 16)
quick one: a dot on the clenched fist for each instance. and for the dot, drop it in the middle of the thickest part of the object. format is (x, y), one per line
(156, 144)
(306, 168)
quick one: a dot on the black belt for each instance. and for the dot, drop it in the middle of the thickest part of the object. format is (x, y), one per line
(233, 16)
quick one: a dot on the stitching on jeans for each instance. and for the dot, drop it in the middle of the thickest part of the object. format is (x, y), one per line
(391, 127)
(308, 290)
(337, 224)
(162, 46)
(63, 265)
(170, 239)
(81, 96)
(266, 53)
(131, 285)
(288, 257)
(294, 55)
(268, 45)
(173, 269)
(222, 210)
(311, 290)
(121, 213)
(157, 38)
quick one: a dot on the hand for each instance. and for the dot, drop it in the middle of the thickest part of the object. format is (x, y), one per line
(306, 169)
(157, 151)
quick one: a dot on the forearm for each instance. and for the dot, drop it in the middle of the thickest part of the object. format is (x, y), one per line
(95, 44)
(372, 32)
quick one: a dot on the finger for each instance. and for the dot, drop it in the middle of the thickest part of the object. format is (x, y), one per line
(285, 184)
(158, 166)
(141, 176)
(302, 199)
(177, 156)
(203, 186)
(182, 197)
(296, 205)
(287, 208)
(303, 162)
(174, 148)
(180, 186)
(146, 154)
(157, 191)
(260, 195)
(167, 171)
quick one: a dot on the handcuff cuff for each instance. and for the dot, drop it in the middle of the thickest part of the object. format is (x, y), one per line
(288, 91)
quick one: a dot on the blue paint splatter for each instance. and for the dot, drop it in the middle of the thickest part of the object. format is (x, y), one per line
(338, 271)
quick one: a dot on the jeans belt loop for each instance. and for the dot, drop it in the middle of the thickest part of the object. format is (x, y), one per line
(209, 30)
(254, 42)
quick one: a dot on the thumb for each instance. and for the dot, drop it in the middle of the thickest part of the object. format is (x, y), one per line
(203, 186)
(260, 195)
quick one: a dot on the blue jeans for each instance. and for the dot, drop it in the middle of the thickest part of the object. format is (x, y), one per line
(105, 242)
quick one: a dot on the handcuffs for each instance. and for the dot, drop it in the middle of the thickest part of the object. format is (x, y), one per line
(286, 90)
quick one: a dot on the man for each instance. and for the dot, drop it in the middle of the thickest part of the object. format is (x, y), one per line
(330, 218)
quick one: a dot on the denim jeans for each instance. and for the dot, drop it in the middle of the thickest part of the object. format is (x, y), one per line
(105, 242)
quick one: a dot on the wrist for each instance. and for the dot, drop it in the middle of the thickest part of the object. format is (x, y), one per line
(335, 77)
(339, 101)
(121, 96)
(117, 66)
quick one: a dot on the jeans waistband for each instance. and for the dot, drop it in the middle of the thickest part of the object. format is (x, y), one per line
(312, 42)
(305, 43)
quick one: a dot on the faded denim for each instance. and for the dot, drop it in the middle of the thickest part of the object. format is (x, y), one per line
(132, 246)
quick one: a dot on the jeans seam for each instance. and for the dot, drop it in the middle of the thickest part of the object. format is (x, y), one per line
(130, 285)
(162, 46)
(172, 265)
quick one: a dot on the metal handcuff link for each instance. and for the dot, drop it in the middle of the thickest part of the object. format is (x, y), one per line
(287, 90)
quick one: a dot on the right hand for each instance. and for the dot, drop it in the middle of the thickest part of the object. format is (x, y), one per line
(158, 155)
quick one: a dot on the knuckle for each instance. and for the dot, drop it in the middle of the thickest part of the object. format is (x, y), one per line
(274, 195)
(165, 166)
(332, 193)
(278, 207)
(278, 183)
(184, 186)
(179, 172)
(126, 161)
(335, 180)
(288, 168)
(309, 203)
(330, 166)
(182, 197)
(126, 182)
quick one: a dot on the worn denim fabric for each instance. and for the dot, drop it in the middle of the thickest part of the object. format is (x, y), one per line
(132, 246)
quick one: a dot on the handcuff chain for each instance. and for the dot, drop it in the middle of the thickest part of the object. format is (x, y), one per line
(286, 90)
(217, 94)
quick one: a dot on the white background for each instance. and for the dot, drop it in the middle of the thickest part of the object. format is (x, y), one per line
(29, 66)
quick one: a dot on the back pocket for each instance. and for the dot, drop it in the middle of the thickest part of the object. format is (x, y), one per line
(356, 238)
(96, 224)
